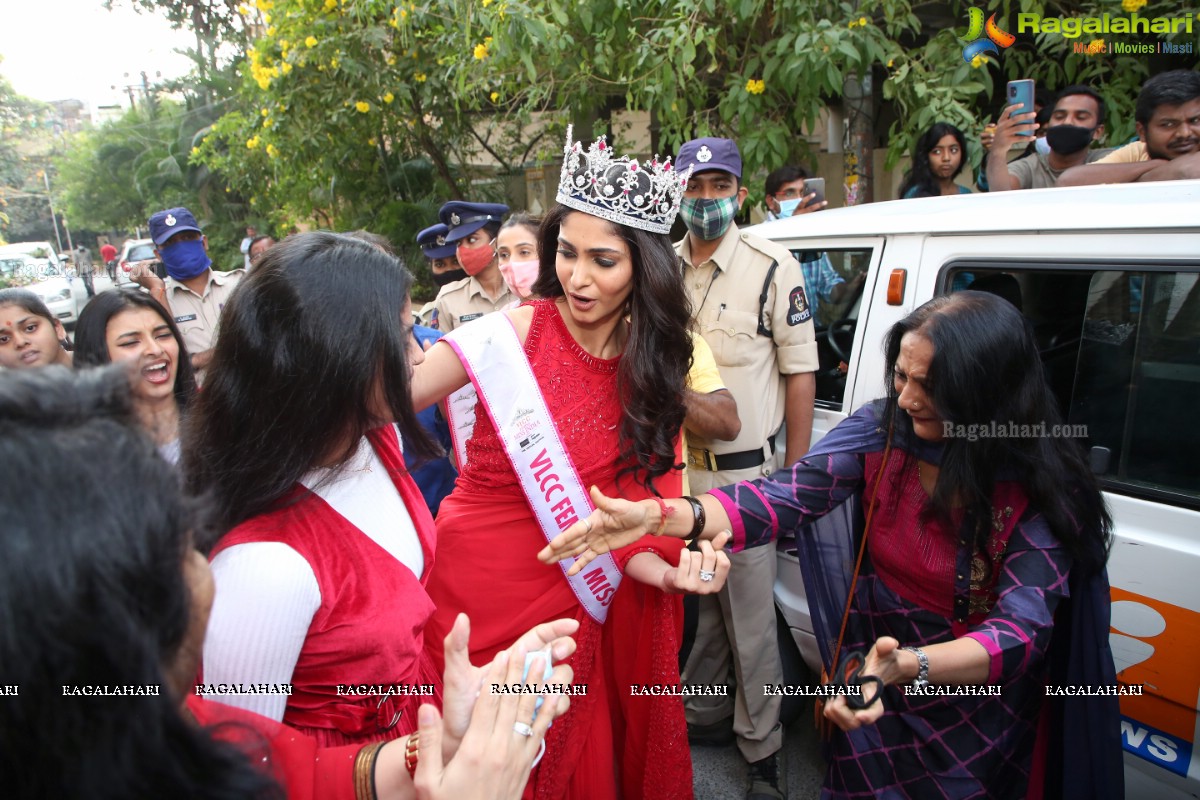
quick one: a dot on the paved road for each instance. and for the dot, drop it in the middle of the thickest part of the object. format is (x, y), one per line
(720, 772)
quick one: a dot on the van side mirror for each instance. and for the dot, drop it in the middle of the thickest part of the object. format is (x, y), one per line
(1098, 459)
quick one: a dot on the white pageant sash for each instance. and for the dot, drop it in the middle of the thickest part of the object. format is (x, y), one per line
(460, 414)
(492, 354)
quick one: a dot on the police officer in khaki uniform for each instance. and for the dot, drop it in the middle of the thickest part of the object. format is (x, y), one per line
(472, 229)
(749, 304)
(193, 291)
(443, 265)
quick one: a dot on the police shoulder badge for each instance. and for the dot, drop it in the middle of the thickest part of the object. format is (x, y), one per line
(798, 309)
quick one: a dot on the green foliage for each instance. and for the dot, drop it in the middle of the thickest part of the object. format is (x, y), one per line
(370, 113)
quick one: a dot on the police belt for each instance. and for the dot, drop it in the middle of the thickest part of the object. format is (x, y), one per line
(699, 458)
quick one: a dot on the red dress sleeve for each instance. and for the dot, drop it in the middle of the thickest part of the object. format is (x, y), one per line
(306, 771)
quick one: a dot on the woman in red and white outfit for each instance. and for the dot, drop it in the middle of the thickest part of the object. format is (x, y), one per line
(322, 544)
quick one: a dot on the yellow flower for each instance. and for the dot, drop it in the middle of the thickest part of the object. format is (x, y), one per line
(333, 62)
(495, 96)
(389, 97)
(891, 63)
(271, 151)
(362, 106)
(862, 22)
(420, 77)
(481, 52)
(978, 61)
(1132, 5)
(286, 68)
(487, 3)
(390, 61)
(755, 87)
(252, 142)
(372, 141)
(330, 5)
(268, 122)
(852, 23)
(195, 151)
(243, 10)
(311, 41)
(270, 30)
(263, 111)
(403, 14)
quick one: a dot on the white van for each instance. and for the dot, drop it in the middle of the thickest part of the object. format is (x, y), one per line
(1109, 277)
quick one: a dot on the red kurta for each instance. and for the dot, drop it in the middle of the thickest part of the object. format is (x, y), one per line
(370, 626)
(488, 567)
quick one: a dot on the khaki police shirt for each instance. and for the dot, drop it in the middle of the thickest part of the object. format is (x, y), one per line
(725, 293)
(464, 300)
(197, 315)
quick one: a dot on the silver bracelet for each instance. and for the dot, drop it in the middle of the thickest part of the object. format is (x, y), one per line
(922, 679)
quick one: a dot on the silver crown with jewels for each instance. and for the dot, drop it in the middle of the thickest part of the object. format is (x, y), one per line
(645, 196)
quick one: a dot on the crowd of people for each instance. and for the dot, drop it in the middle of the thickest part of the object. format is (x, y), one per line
(367, 501)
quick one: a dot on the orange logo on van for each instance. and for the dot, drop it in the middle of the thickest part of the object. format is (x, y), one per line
(1152, 643)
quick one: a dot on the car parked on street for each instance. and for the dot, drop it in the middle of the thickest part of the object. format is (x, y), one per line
(64, 296)
(1109, 278)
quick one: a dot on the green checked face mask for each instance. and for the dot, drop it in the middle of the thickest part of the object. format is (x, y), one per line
(708, 218)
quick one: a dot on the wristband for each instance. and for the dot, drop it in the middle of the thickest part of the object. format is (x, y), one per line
(922, 679)
(698, 518)
(665, 511)
(410, 753)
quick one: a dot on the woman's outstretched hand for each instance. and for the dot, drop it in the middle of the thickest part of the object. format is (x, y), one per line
(710, 561)
(615, 523)
(881, 662)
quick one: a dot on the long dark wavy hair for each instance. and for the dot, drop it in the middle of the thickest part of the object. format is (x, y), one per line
(91, 336)
(93, 593)
(309, 340)
(658, 353)
(921, 176)
(986, 368)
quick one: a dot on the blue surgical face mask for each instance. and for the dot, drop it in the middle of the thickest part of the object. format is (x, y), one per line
(185, 260)
(788, 207)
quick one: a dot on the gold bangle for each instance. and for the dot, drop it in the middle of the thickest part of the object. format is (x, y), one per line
(410, 753)
(364, 771)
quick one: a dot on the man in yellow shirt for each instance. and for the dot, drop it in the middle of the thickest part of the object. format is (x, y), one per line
(1168, 128)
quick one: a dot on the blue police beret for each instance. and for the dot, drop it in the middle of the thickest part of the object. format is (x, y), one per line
(433, 242)
(165, 224)
(463, 218)
(709, 153)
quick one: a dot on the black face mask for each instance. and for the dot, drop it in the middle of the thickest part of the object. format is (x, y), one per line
(1067, 140)
(449, 277)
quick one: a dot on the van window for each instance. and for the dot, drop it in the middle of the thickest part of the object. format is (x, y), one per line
(833, 281)
(1121, 349)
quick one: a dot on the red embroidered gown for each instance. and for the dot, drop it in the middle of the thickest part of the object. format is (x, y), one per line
(610, 743)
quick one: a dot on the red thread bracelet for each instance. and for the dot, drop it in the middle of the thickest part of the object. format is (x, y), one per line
(665, 511)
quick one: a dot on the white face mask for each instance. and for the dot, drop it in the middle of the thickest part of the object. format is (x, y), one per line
(788, 207)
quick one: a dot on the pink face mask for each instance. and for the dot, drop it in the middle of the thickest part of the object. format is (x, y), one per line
(520, 275)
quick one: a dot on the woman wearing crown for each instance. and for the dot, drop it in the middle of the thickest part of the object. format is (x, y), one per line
(581, 388)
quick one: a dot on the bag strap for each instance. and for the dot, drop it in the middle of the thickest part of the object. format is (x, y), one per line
(762, 300)
(823, 725)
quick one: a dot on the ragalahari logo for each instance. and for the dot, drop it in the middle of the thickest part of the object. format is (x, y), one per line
(978, 43)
